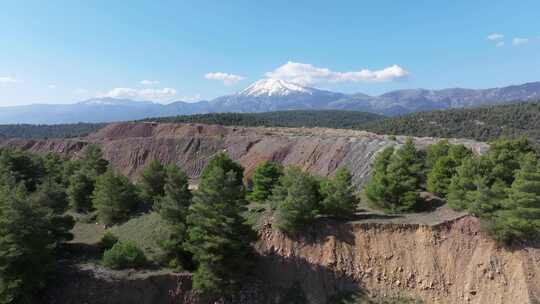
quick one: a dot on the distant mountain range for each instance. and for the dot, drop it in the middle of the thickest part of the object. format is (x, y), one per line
(270, 95)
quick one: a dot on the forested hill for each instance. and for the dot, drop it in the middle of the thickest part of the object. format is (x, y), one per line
(294, 118)
(483, 123)
(48, 131)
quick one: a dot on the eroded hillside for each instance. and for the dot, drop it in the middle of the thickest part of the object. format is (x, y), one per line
(129, 146)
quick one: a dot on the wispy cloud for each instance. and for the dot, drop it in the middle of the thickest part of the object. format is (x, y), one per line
(161, 95)
(52, 86)
(307, 74)
(520, 41)
(9, 80)
(81, 91)
(190, 98)
(226, 78)
(495, 37)
(500, 44)
(149, 82)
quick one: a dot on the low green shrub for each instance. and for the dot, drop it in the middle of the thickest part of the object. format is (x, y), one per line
(124, 255)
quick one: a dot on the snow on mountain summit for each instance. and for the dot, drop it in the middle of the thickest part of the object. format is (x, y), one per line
(274, 87)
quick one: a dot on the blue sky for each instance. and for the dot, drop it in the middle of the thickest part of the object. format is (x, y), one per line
(66, 51)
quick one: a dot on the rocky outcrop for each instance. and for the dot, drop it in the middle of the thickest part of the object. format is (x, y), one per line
(448, 263)
(129, 146)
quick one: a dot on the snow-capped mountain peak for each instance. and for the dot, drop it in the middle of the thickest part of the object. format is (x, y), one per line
(274, 87)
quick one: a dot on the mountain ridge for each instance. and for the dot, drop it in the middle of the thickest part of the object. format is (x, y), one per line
(271, 95)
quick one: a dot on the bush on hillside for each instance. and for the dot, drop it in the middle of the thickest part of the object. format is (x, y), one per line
(124, 255)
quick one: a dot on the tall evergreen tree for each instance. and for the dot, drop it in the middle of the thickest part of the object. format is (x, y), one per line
(338, 195)
(396, 179)
(519, 218)
(79, 191)
(114, 197)
(296, 200)
(92, 159)
(218, 236)
(173, 208)
(152, 181)
(265, 177)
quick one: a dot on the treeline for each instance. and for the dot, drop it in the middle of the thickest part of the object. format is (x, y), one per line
(501, 187)
(482, 123)
(48, 131)
(292, 118)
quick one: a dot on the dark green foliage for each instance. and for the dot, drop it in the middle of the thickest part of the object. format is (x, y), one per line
(26, 247)
(32, 225)
(218, 236)
(124, 255)
(264, 178)
(114, 197)
(173, 208)
(23, 167)
(482, 123)
(296, 200)
(294, 118)
(49, 131)
(223, 161)
(93, 160)
(506, 156)
(338, 195)
(108, 240)
(519, 215)
(442, 161)
(435, 152)
(79, 191)
(396, 179)
(152, 181)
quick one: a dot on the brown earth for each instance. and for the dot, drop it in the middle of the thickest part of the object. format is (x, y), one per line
(451, 262)
(129, 146)
(447, 262)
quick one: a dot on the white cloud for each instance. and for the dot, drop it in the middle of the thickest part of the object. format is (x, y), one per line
(162, 95)
(306, 74)
(190, 98)
(228, 79)
(500, 44)
(149, 82)
(52, 86)
(9, 80)
(495, 37)
(520, 41)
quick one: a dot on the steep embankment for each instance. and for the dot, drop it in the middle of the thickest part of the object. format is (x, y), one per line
(129, 146)
(448, 263)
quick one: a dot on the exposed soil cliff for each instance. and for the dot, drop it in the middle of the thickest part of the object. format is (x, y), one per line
(450, 262)
(129, 146)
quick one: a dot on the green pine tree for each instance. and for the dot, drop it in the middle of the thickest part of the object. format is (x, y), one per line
(396, 179)
(296, 200)
(218, 236)
(338, 195)
(152, 181)
(92, 159)
(173, 208)
(519, 217)
(26, 247)
(265, 177)
(79, 191)
(114, 197)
